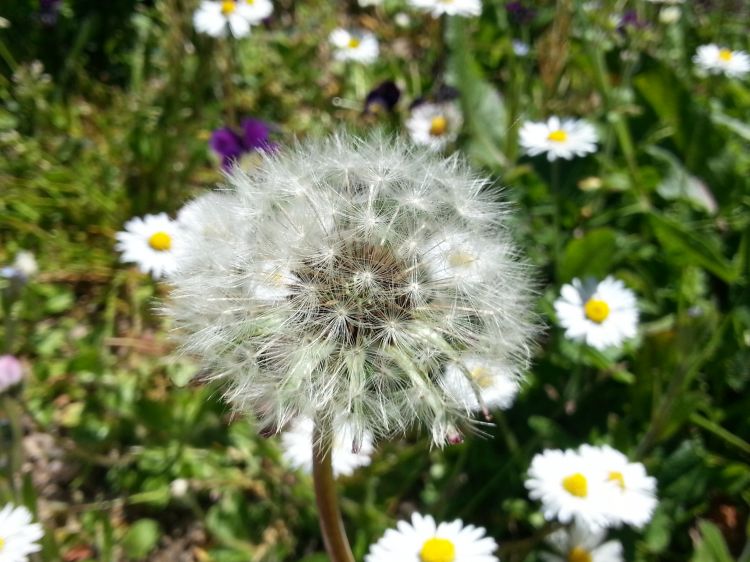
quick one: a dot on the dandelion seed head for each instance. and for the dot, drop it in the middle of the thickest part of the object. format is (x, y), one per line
(343, 277)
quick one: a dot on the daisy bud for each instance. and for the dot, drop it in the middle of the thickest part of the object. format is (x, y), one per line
(357, 280)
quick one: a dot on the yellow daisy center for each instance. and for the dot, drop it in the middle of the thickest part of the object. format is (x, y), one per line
(228, 7)
(437, 550)
(596, 310)
(482, 376)
(251, 2)
(2, 544)
(725, 55)
(558, 136)
(460, 259)
(579, 554)
(354, 42)
(576, 485)
(160, 241)
(618, 478)
(438, 126)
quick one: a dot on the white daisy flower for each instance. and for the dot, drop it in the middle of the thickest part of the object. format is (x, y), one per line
(558, 138)
(435, 125)
(720, 60)
(425, 541)
(296, 443)
(449, 7)
(150, 243)
(600, 314)
(580, 544)
(633, 492)
(358, 45)
(496, 386)
(570, 487)
(18, 535)
(254, 11)
(213, 18)
(456, 258)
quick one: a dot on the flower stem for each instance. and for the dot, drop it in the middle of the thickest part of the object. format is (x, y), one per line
(331, 524)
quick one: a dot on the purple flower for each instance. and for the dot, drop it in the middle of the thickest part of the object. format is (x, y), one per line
(48, 11)
(629, 19)
(255, 135)
(11, 372)
(519, 13)
(231, 146)
(384, 96)
(227, 144)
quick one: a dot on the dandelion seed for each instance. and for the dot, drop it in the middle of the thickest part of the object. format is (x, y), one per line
(322, 284)
(18, 535)
(603, 314)
(424, 540)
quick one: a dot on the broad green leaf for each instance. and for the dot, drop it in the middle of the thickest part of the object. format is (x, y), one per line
(684, 243)
(678, 183)
(591, 255)
(712, 547)
(141, 538)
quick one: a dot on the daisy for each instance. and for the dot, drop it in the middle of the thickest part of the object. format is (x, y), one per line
(633, 492)
(600, 314)
(559, 138)
(296, 444)
(18, 535)
(496, 387)
(358, 45)
(434, 124)
(213, 18)
(460, 259)
(426, 541)
(11, 372)
(149, 242)
(571, 487)
(579, 544)
(720, 60)
(254, 11)
(450, 7)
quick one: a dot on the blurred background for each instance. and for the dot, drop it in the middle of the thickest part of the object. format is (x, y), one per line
(110, 110)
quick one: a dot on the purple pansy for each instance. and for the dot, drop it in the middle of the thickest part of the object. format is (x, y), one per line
(519, 13)
(231, 145)
(48, 11)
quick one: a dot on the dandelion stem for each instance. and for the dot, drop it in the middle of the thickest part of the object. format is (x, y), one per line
(331, 524)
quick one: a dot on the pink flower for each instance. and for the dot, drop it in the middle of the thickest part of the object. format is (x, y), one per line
(11, 372)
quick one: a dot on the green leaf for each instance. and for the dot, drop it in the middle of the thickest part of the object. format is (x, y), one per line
(678, 183)
(712, 547)
(141, 538)
(591, 255)
(680, 240)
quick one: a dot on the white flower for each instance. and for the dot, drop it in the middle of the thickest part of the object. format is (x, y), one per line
(600, 314)
(297, 441)
(18, 535)
(11, 372)
(368, 3)
(359, 45)
(720, 60)
(26, 264)
(670, 15)
(435, 125)
(632, 493)
(213, 18)
(570, 487)
(450, 7)
(580, 544)
(254, 11)
(150, 242)
(564, 138)
(372, 296)
(520, 49)
(489, 379)
(425, 541)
